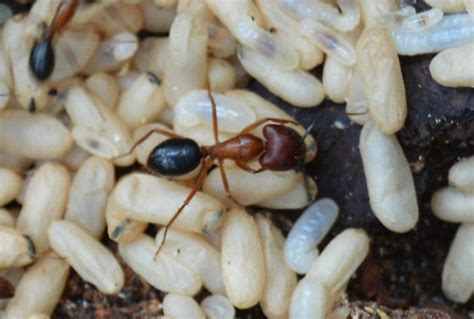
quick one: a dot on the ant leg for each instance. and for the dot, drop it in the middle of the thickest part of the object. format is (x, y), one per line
(256, 124)
(247, 168)
(202, 175)
(147, 135)
(215, 127)
(228, 194)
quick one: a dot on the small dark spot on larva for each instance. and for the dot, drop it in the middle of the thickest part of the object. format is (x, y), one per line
(93, 144)
(153, 78)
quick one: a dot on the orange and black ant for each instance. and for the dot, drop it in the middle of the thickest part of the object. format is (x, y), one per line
(282, 149)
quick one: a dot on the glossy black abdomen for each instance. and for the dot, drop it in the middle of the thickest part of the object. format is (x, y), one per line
(174, 157)
(42, 60)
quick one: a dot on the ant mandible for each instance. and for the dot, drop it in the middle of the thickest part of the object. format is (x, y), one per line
(283, 149)
(42, 57)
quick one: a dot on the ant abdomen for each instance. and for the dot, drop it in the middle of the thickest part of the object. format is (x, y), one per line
(42, 59)
(175, 157)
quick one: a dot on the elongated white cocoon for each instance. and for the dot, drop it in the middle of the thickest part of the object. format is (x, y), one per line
(196, 253)
(454, 67)
(299, 196)
(45, 138)
(221, 75)
(221, 43)
(243, 263)
(194, 109)
(182, 307)
(40, 288)
(157, 19)
(340, 259)
(242, 184)
(447, 5)
(16, 250)
(155, 200)
(88, 195)
(308, 231)
(458, 273)
(452, 205)
(45, 201)
(296, 87)
(96, 128)
(10, 185)
(186, 65)
(311, 299)
(217, 307)
(379, 68)
(152, 56)
(389, 180)
(142, 102)
(165, 273)
(105, 88)
(461, 174)
(280, 279)
(89, 258)
(117, 18)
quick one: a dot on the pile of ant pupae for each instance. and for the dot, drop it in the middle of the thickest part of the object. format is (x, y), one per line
(82, 93)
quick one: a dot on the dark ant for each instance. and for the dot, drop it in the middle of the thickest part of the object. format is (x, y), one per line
(42, 57)
(283, 149)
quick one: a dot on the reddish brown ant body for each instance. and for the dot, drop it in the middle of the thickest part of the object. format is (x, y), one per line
(283, 149)
(6, 289)
(42, 57)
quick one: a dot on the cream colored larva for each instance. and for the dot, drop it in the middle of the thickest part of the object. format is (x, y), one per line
(87, 198)
(280, 279)
(7, 218)
(242, 185)
(340, 259)
(311, 299)
(297, 87)
(105, 88)
(453, 205)
(120, 227)
(461, 174)
(383, 82)
(165, 273)
(10, 185)
(221, 75)
(96, 128)
(40, 288)
(186, 66)
(217, 307)
(46, 137)
(45, 201)
(243, 261)
(447, 67)
(154, 199)
(89, 258)
(182, 307)
(197, 254)
(389, 180)
(142, 102)
(458, 273)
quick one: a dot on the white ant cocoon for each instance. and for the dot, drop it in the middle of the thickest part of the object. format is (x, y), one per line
(87, 199)
(280, 279)
(40, 288)
(45, 201)
(454, 67)
(453, 205)
(243, 261)
(461, 174)
(181, 307)
(10, 185)
(217, 307)
(458, 273)
(389, 180)
(165, 273)
(197, 254)
(87, 256)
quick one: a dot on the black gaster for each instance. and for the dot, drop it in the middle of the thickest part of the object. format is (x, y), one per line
(42, 59)
(175, 157)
